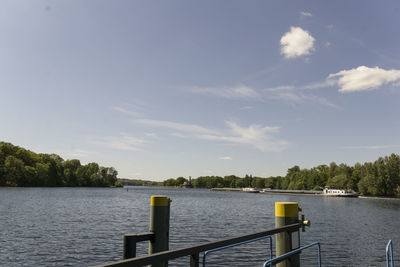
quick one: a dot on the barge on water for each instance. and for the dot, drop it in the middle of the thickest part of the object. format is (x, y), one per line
(246, 189)
(294, 192)
(220, 189)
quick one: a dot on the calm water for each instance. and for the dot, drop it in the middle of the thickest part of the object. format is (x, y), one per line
(84, 227)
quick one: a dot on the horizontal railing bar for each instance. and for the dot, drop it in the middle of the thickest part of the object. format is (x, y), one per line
(140, 237)
(130, 241)
(239, 244)
(177, 253)
(291, 253)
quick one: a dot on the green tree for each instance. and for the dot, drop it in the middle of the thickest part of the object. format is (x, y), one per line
(14, 171)
(180, 180)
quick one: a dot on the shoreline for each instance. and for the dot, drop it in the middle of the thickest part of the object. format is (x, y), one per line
(298, 193)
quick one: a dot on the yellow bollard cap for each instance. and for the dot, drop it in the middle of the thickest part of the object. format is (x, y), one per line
(160, 201)
(286, 209)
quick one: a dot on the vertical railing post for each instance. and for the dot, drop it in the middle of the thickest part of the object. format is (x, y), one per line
(194, 260)
(129, 247)
(159, 225)
(287, 213)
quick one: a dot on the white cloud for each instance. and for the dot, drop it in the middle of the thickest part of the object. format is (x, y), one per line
(240, 91)
(305, 14)
(297, 42)
(364, 78)
(225, 158)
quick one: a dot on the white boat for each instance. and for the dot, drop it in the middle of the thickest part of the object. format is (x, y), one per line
(333, 192)
(250, 190)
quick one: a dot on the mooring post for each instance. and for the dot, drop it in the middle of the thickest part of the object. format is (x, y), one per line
(159, 225)
(287, 213)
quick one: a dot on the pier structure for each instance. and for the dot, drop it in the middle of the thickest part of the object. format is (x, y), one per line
(287, 233)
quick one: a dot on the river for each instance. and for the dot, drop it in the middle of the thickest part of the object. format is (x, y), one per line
(85, 226)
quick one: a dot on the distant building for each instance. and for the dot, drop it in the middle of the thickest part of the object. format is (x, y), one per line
(187, 184)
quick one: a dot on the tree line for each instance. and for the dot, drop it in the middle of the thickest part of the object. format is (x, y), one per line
(137, 182)
(21, 167)
(379, 178)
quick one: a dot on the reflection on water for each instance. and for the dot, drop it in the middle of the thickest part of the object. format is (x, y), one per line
(82, 226)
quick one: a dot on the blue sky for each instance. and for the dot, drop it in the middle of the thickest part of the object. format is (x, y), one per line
(161, 89)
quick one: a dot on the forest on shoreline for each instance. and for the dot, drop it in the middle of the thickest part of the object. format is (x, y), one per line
(380, 178)
(22, 167)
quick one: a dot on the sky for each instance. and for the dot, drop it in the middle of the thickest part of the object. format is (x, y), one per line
(161, 89)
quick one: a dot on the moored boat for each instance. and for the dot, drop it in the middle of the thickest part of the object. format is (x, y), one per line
(333, 192)
(250, 190)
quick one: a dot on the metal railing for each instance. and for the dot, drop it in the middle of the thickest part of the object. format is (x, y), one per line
(194, 251)
(291, 253)
(130, 241)
(238, 244)
(389, 254)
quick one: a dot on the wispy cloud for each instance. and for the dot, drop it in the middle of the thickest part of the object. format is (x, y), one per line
(361, 78)
(127, 112)
(180, 135)
(372, 147)
(225, 158)
(78, 153)
(288, 93)
(123, 142)
(236, 92)
(364, 78)
(257, 136)
(297, 42)
(300, 94)
(152, 135)
(305, 14)
(175, 126)
(319, 85)
(310, 86)
(280, 88)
